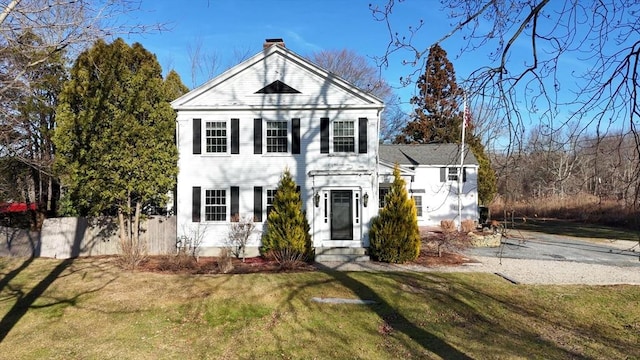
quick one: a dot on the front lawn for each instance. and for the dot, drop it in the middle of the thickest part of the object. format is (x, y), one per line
(90, 309)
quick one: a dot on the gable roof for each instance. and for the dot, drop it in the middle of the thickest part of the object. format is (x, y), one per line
(260, 81)
(425, 154)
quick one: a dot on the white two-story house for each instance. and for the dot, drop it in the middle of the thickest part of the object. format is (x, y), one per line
(238, 132)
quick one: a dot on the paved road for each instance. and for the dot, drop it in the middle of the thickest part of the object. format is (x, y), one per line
(538, 246)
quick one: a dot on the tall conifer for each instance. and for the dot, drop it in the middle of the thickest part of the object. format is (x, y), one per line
(287, 232)
(395, 236)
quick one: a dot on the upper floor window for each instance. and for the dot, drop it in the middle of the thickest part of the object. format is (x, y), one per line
(344, 139)
(277, 137)
(452, 174)
(216, 136)
(215, 205)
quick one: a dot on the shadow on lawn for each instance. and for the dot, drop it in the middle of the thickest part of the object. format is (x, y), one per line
(396, 320)
(473, 315)
(25, 301)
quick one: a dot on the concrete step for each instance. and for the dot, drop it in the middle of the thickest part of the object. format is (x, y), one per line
(341, 254)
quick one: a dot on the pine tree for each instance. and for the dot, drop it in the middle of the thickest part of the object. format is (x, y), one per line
(438, 119)
(394, 235)
(287, 236)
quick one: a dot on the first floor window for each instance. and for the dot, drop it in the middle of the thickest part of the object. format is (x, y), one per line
(277, 137)
(382, 193)
(215, 205)
(271, 194)
(344, 136)
(418, 201)
(216, 136)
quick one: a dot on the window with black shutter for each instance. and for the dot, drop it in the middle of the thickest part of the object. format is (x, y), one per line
(197, 136)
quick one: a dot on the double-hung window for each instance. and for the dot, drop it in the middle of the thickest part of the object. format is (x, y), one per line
(418, 202)
(382, 193)
(452, 174)
(216, 136)
(344, 138)
(277, 137)
(215, 205)
(271, 194)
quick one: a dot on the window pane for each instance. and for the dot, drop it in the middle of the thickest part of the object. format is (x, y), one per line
(215, 205)
(270, 196)
(418, 201)
(216, 136)
(277, 137)
(344, 136)
(381, 195)
(453, 174)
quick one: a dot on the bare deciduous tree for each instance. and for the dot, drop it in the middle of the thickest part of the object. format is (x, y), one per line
(357, 70)
(554, 63)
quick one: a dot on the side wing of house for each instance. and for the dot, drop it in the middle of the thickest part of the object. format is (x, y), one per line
(432, 174)
(237, 134)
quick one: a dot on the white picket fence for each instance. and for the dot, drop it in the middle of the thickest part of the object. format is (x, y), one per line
(64, 238)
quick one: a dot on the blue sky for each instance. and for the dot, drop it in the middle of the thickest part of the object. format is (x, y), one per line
(227, 28)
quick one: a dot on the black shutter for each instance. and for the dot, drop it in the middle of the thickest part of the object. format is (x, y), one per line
(197, 141)
(257, 136)
(464, 174)
(257, 203)
(362, 135)
(235, 203)
(195, 204)
(235, 136)
(443, 174)
(295, 136)
(324, 135)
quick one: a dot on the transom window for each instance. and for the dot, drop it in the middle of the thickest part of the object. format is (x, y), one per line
(216, 136)
(452, 174)
(344, 136)
(277, 137)
(215, 205)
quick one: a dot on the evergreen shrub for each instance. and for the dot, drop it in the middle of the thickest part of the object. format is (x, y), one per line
(287, 237)
(394, 235)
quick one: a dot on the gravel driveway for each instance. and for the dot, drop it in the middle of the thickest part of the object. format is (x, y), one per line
(534, 258)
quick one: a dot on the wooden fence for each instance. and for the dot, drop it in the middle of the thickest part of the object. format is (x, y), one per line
(71, 237)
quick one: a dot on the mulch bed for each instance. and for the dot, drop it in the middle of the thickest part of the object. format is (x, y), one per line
(184, 264)
(172, 264)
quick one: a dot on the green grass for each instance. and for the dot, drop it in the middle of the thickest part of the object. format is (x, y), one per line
(90, 309)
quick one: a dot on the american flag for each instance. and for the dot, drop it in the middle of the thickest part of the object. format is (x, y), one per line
(466, 116)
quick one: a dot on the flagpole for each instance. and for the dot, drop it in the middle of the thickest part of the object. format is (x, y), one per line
(461, 172)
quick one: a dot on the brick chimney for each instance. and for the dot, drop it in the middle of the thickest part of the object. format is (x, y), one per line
(271, 42)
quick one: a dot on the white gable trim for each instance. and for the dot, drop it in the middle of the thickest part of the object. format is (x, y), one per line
(181, 103)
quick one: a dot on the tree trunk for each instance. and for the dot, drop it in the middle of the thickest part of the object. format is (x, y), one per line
(136, 227)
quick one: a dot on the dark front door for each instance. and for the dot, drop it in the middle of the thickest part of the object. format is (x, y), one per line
(341, 215)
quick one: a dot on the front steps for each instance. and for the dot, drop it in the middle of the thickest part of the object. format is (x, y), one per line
(341, 254)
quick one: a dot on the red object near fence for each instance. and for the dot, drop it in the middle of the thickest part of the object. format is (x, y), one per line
(14, 207)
